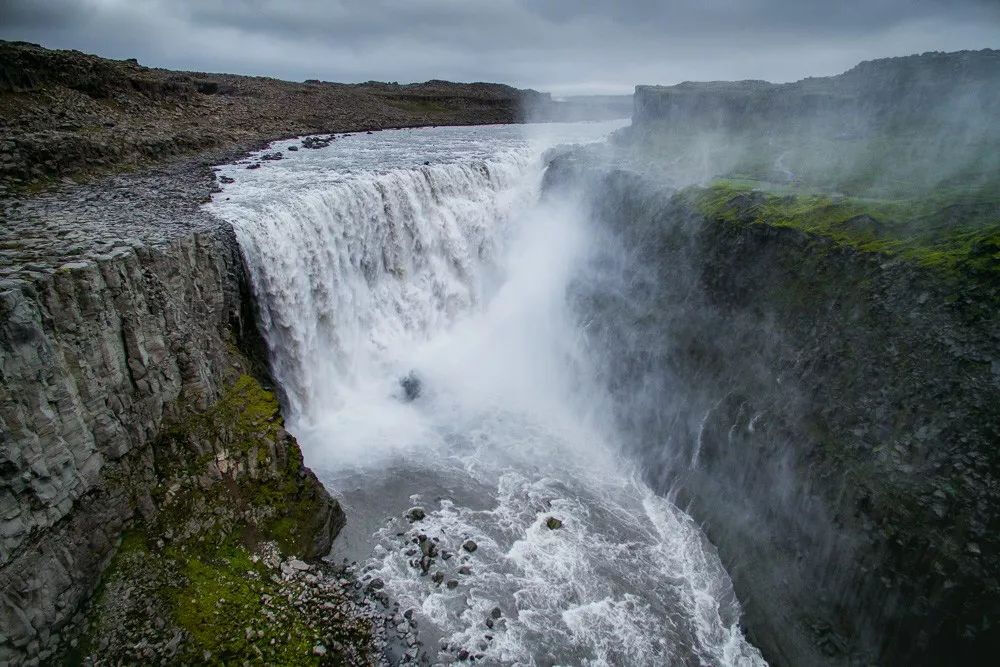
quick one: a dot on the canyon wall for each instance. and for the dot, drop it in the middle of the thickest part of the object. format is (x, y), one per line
(97, 357)
(831, 416)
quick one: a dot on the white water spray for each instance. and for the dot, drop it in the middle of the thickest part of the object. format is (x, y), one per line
(456, 275)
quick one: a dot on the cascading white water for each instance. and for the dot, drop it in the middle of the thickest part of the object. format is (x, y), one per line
(370, 266)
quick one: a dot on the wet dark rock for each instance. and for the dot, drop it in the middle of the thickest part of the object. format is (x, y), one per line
(452, 583)
(415, 514)
(465, 569)
(553, 523)
(293, 148)
(783, 413)
(227, 179)
(411, 386)
(253, 165)
(316, 142)
(470, 546)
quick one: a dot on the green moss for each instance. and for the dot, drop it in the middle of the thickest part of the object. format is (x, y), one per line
(192, 562)
(245, 410)
(954, 233)
(221, 600)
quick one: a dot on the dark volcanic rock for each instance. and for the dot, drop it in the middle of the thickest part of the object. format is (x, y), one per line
(836, 434)
(411, 386)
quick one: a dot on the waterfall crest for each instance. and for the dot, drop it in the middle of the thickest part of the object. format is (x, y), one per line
(359, 266)
(420, 323)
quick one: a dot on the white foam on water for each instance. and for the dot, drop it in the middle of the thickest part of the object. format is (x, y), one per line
(369, 265)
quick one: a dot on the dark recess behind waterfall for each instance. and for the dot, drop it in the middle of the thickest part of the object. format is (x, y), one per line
(829, 414)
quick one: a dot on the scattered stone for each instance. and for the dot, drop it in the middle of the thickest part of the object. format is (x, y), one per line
(415, 514)
(254, 165)
(553, 523)
(470, 546)
(452, 583)
(316, 142)
(465, 569)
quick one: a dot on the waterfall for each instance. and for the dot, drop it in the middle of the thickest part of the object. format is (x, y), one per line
(419, 323)
(346, 271)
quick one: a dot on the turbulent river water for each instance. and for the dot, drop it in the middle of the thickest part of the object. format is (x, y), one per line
(414, 291)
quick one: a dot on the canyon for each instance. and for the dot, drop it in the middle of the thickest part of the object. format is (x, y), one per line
(776, 303)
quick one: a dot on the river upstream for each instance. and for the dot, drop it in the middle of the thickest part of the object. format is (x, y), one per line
(415, 290)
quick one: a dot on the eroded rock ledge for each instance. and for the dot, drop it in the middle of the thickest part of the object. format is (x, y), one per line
(128, 402)
(828, 412)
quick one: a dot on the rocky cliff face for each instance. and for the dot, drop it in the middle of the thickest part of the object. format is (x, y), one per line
(891, 93)
(830, 414)
(103, 345)
(886, 128)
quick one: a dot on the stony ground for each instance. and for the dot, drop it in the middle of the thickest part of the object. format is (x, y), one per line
(91, 220)
(66, 114)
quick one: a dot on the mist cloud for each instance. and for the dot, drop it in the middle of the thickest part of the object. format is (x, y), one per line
(563, 47)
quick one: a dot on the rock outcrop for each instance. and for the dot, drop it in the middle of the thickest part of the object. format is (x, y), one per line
(829, 413)
(117, 321)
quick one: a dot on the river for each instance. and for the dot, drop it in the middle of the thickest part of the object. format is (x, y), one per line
(415, 289)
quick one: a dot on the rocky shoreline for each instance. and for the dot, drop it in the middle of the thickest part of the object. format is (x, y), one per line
(70, 116)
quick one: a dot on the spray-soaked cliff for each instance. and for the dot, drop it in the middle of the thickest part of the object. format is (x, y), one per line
(809, 357)
(128, 402)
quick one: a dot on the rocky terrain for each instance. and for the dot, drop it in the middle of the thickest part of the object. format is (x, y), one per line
(70, 115)
(815, 371)
(153, 507)
(835, 432)
(893, 127)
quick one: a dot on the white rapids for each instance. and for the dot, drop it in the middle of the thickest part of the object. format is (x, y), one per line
(430, 254)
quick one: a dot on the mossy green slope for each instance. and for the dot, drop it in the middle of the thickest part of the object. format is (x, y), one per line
(197, 581)
(955, 234)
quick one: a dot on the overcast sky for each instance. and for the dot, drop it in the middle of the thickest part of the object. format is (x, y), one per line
(565, 47)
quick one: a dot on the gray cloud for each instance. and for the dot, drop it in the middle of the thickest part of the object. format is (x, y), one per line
(561, 46)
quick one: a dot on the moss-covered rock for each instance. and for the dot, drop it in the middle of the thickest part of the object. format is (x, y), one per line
(205, 576)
